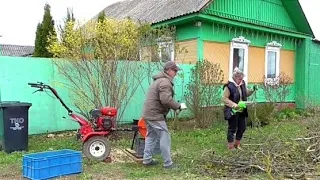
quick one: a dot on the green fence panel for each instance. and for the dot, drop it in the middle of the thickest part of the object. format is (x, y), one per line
(46, 114)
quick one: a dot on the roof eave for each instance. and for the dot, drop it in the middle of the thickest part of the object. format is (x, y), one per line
(177, 20)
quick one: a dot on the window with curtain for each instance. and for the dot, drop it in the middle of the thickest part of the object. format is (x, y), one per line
(238, 58)
(166, 52)
(271, 64)
(162, 51)
(239, 52)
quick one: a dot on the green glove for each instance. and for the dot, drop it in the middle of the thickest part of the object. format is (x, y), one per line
(242, 105)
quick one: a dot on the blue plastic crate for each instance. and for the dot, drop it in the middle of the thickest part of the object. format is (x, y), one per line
(50, 164)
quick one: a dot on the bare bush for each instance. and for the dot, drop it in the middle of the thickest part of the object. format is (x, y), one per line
(204, 90)
(277, 89)
(260, 114)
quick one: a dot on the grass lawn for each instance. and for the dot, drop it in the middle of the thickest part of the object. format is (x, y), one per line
(190, 148)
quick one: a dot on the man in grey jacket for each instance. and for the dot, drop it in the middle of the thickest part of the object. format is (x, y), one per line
(156, 107)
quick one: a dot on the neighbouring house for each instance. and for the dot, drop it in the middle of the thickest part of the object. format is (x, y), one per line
(261, 37)
(16, 50)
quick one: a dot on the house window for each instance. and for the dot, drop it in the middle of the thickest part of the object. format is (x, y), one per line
(166, 50)
(162, 51)
(239, 56)
(272, 63)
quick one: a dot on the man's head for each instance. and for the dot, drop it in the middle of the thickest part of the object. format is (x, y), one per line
(237, 75)
(171, 68)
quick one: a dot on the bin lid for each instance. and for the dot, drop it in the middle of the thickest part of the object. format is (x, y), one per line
(13, 103)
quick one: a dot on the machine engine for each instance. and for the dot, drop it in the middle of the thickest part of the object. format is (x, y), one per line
(104, 119)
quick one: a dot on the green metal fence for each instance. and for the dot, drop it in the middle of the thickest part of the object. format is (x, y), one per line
(46, 113)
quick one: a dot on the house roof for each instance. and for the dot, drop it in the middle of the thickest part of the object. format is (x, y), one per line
(153, 11)
(16, 50)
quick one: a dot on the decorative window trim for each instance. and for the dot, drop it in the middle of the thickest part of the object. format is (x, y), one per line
(241, 43)
(272, 47)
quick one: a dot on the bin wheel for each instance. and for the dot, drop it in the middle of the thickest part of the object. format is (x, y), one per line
(97, 148)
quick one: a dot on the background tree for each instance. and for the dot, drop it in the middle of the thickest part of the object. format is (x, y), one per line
(61, 27)
(102, 16)
(44, 29)
(38, 41)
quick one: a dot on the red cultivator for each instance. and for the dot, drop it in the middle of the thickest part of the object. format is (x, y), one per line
(93, 132)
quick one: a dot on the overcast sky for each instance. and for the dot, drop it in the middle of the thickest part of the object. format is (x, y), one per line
(19, 18)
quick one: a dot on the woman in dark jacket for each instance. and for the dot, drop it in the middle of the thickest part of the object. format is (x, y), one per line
(234, 92)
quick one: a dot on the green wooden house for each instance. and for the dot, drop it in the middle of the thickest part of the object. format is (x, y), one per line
(261, 37)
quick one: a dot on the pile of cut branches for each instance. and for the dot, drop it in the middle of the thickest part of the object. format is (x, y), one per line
(276, 155)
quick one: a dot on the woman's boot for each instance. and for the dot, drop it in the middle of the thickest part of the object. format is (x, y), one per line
(231, 145)
(237, 144)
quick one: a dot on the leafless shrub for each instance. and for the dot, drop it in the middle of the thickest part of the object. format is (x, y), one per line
(204, 90)
(277, 90)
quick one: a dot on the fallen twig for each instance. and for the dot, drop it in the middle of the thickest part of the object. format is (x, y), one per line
(295, 176)
(307, 138)
(311, 146)
(252, 144)
(251, 166)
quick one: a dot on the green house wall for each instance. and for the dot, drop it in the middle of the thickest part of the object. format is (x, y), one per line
(259, 21)
(307, 74)
(187, 31)
(301, 72)
(219, 23)
(314, 69)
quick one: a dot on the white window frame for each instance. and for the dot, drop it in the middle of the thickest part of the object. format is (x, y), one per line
(272, 47)
(239, 43)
